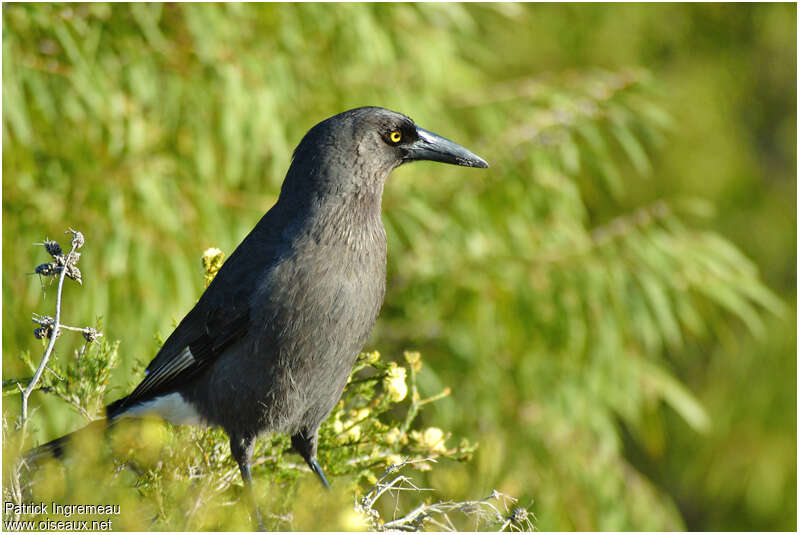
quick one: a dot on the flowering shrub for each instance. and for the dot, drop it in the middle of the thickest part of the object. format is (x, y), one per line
(166, 477)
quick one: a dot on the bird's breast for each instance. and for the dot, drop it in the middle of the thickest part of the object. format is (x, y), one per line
(323, 298)
(318, 307)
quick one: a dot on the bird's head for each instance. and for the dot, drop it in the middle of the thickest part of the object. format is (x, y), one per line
(367, 143)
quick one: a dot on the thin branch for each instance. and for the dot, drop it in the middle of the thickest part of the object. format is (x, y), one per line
(77, 242)
(485, 513)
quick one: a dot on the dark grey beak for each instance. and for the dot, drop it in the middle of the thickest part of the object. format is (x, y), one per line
(434, 147)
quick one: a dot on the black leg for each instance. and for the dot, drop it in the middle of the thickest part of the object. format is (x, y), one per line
(242, 452)
(306, 445)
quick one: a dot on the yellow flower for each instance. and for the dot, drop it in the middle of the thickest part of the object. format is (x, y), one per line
(394, 435)
(395, 382)
(352, 520)
(338, 426)
(394, 458)
(354, 433)
(212, 260)
(432, 438)
(414, 359)
(360, 414)
(372, 357)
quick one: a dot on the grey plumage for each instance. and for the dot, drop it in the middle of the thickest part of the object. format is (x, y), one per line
(271, 342)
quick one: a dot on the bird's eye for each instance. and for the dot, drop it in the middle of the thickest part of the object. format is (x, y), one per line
(395, 136)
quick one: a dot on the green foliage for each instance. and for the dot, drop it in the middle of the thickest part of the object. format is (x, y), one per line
(367, 433)
(151, 466)
(609, 346)
(83, 381)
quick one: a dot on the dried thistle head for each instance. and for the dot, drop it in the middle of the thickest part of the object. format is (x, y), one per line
(46, 270)
(518, 515)
(68, 262)
(91, 334)
(74, 273)
(53, 248)
(45, 331)
(77, 238)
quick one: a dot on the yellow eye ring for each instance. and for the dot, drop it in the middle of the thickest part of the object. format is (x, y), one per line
(395, 137)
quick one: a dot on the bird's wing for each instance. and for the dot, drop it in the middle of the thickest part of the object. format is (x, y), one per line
(218, 320)
(203, 335)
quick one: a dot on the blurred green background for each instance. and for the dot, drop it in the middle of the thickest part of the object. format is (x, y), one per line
(613, 302)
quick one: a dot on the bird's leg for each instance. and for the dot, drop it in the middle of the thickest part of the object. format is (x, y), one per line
(242, 451)
(305, 444)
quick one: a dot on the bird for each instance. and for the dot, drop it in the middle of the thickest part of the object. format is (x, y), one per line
(272, 340)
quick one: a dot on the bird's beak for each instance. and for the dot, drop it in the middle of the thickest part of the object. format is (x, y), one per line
(434, 147)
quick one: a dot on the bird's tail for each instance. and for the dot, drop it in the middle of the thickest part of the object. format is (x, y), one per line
(56, 448)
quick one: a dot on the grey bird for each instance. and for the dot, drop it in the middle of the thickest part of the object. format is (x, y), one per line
(271, 342)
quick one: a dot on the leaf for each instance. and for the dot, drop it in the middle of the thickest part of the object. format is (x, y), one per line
(762, 295)
(656, 293)
(643, 325)
(729, 299)
(722, 249)
(688, 316)
(676, 396)
(570, 156)
(655, 114)
(632, 148)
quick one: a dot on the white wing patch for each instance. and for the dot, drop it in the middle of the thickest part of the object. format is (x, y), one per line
(185, 359)
(171, 407)
(176, 365)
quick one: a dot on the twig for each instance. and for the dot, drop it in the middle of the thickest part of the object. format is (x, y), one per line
(437, 514)
(77, 242)
(89, 333)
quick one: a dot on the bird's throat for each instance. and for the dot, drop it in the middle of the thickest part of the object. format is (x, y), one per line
(353, 220)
